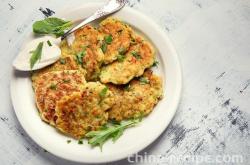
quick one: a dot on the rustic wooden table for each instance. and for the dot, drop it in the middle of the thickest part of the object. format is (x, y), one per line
(212, 38)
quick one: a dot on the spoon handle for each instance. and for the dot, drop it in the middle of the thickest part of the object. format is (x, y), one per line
(109, 8)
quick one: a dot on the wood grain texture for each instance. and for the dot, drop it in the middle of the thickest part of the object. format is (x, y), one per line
(212, 38)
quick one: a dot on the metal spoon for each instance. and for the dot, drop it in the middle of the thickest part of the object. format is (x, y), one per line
(111, 7)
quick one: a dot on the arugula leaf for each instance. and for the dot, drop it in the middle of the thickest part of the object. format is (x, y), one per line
(114, 131)
(136, 55)
(51, 25)
(36, 55)
(108, 39)
(144, 80)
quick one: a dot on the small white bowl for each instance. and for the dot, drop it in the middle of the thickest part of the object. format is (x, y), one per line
(134, 139)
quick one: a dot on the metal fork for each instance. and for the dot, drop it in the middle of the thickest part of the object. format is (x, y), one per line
(111, 7)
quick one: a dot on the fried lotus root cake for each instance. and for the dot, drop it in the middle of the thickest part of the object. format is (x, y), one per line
(52, 86)
(86, 51)
(137, 99)
(64, 63)
(116, 38)
(140, 56)
(84, 111)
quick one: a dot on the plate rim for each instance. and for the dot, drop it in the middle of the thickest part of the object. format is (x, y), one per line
(174, 108)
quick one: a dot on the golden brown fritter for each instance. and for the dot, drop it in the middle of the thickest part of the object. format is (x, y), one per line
(116, 38)
(136, 99)
(52, 86)
(84, 111)
(140, 56)
(64, 63)
(86, 51)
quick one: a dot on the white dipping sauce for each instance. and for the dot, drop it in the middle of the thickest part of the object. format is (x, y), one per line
(50, 54)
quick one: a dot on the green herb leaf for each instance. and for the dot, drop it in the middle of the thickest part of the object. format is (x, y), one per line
(80, 141)
(49, 43)
(120, 58)
(80, 55)
(122, 50)
(68, 141)
(53, 86)
(144, 80)
(155, 64)
(108, 39)
(36, 55)
(104, 47)
(66, 80)
(103, 92)
(62, 61)
(114, 131)
(127, 87)
(136, 55)
(51, 25)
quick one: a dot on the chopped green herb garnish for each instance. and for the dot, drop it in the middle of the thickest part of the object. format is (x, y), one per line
(51, 25)
(80, 55)
(104, 47)
(103, 92)
(53, 86)
(112, 131)
(80, 141)
(62, 61)
(120, 58)
(122, 50)
(36, 55)
(66, 80)
(108, 39)
(68, 141)
(155, 64)
(144, 80)
(49, 43)
(127, 87)
(136, 55)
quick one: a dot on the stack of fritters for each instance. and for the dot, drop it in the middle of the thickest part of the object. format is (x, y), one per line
(101, 76)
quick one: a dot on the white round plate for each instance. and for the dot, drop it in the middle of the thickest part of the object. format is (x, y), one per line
(134, 139)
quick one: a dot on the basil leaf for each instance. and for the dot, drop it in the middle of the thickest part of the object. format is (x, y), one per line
(36, 55)
(51, 25)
